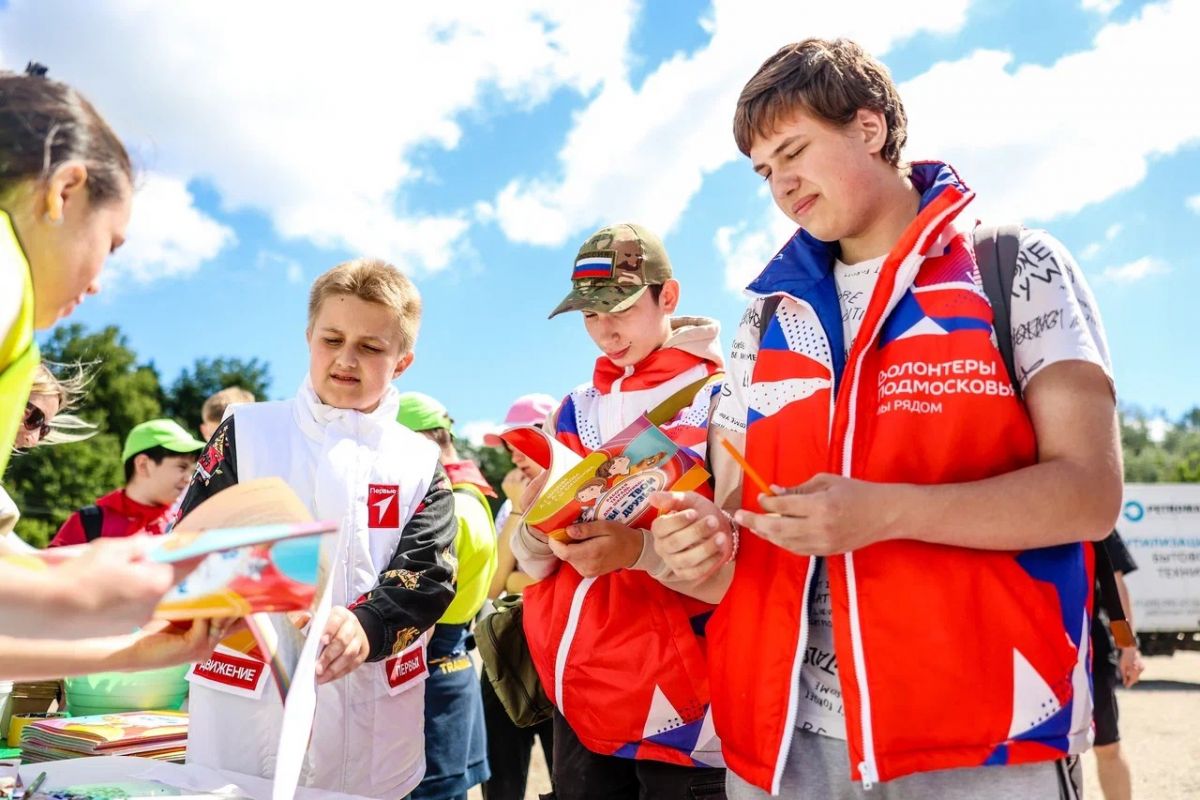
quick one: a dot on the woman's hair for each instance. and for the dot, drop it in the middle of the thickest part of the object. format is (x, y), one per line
(70, 390)
(45, 123)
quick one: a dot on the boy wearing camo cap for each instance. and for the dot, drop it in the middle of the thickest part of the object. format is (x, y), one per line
(619, 651)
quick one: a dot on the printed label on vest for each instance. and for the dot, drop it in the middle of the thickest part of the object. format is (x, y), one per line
(383, 506)
(406, 670)
(231, 673)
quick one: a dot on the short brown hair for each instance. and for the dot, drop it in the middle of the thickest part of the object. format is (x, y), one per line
(214, 407)
(375, 281)
(831, 79)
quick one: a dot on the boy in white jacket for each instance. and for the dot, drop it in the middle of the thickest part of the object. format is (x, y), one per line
(338, 445)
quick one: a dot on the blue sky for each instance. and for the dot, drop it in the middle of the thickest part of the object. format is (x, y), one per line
(477, 147)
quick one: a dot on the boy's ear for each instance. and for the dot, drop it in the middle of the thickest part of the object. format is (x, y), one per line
(404, 363)
(873, 128)
(141, 464)
(668, 300)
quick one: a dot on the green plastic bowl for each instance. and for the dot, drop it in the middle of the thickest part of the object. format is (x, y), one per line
(113, 692)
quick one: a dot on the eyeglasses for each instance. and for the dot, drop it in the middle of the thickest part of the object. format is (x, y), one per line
(35, 420)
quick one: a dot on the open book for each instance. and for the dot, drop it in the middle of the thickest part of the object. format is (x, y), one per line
(256, 547)
(269, 562)
(613, 483)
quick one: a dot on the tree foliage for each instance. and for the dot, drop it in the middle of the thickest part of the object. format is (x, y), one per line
(1159, 451)
(207, 377)
(49, 483)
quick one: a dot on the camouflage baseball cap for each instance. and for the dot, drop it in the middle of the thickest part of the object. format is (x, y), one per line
(614, 267)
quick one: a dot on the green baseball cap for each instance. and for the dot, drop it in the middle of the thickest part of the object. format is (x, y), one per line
(420, 412)
(166, 433)
(614, 267)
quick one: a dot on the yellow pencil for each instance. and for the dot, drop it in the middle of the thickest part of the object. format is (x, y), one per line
(748, 470)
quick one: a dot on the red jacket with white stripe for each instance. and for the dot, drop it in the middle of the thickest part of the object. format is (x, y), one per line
(621, 655)
(948, 657)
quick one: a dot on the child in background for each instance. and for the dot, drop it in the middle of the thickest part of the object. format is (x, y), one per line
(213, 410)
(510, 747)
(455, 741)
(159, 458)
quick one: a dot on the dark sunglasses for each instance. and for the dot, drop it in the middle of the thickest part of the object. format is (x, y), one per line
(35, 420)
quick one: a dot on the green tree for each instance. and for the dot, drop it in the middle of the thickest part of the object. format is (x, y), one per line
(1176, 458)
(49, 483)
(122, 393)
(208, 376)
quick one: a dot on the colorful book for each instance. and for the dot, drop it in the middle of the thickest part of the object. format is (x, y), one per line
(257, 546)
(159, 735)
(613, 483)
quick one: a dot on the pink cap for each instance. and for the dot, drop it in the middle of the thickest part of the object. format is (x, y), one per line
(529, 409)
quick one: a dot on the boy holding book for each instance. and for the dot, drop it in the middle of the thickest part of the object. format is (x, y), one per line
(912, 582)
(620, 653)
(391, 567)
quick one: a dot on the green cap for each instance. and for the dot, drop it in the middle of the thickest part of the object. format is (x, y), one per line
(420, 412)
(614, 267)
(166, 433)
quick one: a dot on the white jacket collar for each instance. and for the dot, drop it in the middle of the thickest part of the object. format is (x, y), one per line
(315, 417)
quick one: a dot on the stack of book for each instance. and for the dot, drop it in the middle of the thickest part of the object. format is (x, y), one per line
(160, 735)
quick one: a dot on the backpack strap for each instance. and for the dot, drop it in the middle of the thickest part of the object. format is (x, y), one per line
(766, 313)
(92, 518)
(996, 248)
(1110, 597)
(665, 411)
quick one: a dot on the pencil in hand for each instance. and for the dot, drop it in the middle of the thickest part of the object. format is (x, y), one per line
(747, 470)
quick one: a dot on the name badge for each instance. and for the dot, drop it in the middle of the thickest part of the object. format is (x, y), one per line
(406, 670)
(232, 673)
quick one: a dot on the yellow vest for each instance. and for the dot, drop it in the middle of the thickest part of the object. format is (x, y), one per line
(475, 547)
(19, 354)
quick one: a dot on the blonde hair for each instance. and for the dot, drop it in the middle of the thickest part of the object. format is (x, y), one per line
(70, 390)
(214, 407)
(375, 281)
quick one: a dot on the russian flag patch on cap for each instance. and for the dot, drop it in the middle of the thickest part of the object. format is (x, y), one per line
(597, 264)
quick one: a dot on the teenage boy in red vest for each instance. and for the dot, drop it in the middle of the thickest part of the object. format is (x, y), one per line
(910, 603)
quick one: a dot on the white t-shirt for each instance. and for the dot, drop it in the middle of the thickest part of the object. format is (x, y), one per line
(1054, 318)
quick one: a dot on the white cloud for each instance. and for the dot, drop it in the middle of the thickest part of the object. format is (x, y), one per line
(1135, 271)
(313, 115)
(167, 235)
(474, 431)
(1193, 203)
(642, 153)
(1038, 142)
(1093, 249)
(1158, 428)
(745, 249)
(1104, 7)
(274, 262)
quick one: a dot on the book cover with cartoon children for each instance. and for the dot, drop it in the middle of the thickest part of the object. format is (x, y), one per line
(613, 483)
